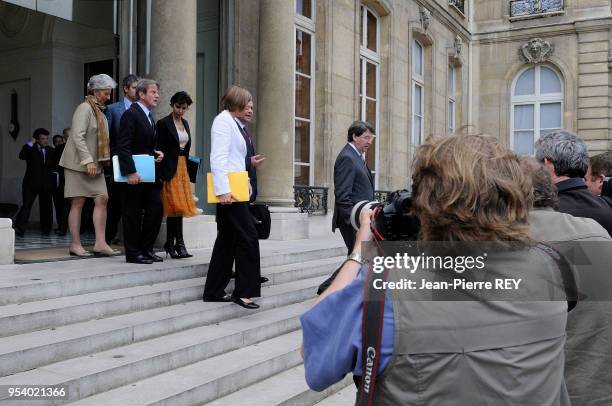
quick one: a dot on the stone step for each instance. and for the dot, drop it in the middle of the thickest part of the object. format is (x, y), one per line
(31, 350)
(291, 272)
(344, 397)
(89, 375)
(28, 283)
(207, 380)
(32, 316)
(287, 388)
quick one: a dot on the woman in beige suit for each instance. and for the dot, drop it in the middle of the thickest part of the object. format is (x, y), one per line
(85, 153)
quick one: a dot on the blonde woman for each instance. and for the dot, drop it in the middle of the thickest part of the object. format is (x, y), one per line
(86, 151)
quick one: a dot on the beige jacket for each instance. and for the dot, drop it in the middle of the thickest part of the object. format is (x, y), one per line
(589, 326)
(82, 146)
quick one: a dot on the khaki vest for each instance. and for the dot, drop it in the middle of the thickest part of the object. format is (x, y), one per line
(475, 352)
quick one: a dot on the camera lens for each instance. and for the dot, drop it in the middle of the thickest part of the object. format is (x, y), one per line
(356, 212)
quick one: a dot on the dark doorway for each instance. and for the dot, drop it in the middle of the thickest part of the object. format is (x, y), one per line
(96, 68)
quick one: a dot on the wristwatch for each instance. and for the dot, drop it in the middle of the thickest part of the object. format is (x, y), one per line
(353, 256)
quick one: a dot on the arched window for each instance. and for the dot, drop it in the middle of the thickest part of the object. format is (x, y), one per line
(537, 106)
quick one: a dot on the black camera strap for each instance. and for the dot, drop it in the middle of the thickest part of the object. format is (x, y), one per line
(567, 275)
(371, 335)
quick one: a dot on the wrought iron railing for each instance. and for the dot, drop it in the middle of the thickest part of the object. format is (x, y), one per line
(528, 8)
(314, 199)
(458, 4)
(381, 195)
(311, 199)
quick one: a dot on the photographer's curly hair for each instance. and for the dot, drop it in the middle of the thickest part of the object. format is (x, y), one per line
(470, 188)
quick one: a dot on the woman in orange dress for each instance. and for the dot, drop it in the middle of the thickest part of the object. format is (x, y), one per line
(174, 140)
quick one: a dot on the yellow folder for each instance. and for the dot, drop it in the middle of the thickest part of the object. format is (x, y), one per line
(239, 185)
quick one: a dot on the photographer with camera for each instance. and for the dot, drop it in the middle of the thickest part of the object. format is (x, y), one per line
(475, 352)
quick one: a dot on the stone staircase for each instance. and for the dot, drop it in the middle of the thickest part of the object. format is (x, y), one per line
(118, 334)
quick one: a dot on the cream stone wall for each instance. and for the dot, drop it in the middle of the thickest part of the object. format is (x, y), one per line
(580, 36)
(337, 79)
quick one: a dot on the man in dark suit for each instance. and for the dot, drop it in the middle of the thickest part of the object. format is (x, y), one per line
(61, 204)
(252, 160)
(353, 181)
(142, 207)
(566, 158)
(113, 114)
(38, 181)
(598, 176)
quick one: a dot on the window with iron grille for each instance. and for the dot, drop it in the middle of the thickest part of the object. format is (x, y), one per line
(458, 4)
(527, 8)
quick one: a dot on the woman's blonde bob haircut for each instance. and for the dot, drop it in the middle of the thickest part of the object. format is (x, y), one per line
(470, 188)
(235, 99)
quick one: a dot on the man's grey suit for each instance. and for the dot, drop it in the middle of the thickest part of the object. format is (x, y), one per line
(353, 182)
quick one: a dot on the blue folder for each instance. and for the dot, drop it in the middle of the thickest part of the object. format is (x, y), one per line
(145, 166)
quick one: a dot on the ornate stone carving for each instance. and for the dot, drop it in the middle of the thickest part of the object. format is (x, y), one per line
(536, 51)
(425, 16)
(458, 45)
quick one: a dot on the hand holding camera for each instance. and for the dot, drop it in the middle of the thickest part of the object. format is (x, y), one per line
(391, 221)
(364, 233)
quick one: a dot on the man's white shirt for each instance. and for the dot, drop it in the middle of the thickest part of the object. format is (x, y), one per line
(146, 111)
(356, 150)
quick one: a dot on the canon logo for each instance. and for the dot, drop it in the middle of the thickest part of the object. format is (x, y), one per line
(371, 354)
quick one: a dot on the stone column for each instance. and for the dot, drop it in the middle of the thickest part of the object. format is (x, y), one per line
(275, 102)
(275, 118)
(173, 66)
(7, 241)
(173, 53)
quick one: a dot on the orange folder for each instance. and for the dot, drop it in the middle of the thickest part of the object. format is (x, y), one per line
(239, 185)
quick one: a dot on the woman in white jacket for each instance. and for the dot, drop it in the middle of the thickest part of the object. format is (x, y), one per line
(236, 234)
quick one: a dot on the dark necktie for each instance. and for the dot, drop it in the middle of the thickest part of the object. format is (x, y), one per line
(41, 150)
(151, 119)
(247, 136)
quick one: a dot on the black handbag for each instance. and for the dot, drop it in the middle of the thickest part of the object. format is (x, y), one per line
(262, 219)
(193, 164)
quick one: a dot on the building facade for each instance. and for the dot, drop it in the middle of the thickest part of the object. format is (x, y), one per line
(514, 69)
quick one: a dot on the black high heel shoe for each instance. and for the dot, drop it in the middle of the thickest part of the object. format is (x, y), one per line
(181, 250)
(171, 250)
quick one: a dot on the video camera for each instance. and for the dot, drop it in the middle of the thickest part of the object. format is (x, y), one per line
(393, 220)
